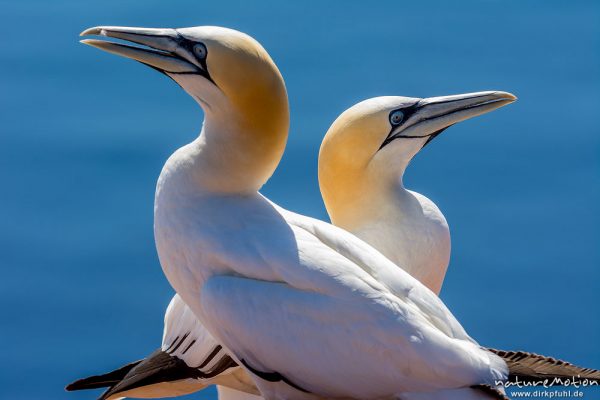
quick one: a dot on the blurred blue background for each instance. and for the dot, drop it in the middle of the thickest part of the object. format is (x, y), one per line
(84, 134)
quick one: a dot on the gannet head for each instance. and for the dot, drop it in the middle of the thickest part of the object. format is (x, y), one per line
(234, 80)
(368, 147)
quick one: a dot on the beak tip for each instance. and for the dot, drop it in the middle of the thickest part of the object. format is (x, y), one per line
(99, 44)
(92, 31)
(509, 97)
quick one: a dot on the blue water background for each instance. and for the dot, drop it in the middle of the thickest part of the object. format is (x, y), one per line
(84, 134)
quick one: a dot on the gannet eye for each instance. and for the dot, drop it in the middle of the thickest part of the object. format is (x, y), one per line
(200, 51)
(396, 117)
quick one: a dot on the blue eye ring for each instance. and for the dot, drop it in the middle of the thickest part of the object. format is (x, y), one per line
(396, 117)
(200, 51)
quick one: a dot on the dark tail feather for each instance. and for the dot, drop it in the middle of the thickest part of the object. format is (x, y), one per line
(530, 367)
(156, 368)
(161, 366)
(101, 381)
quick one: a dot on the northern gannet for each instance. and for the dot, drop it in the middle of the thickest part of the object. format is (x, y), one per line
(285, 294)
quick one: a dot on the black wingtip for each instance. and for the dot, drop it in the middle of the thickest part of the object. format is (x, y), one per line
(102, 381)
(158, 367)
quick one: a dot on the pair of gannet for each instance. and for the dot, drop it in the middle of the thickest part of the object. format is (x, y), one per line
(307, 309)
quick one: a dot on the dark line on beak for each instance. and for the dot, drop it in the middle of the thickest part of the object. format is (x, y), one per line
(180, 41)
(453, 100)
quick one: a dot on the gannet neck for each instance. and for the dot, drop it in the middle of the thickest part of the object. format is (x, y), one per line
(353, 199)
(229, 156)
(412, 232)
(405, 226)
(245, 125)
(354, 193)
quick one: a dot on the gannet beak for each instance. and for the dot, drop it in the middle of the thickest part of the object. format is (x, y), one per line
(430, 117)
(165, 48)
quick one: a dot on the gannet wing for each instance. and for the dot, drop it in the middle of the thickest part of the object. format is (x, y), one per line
(393, 279)
(365, 345)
